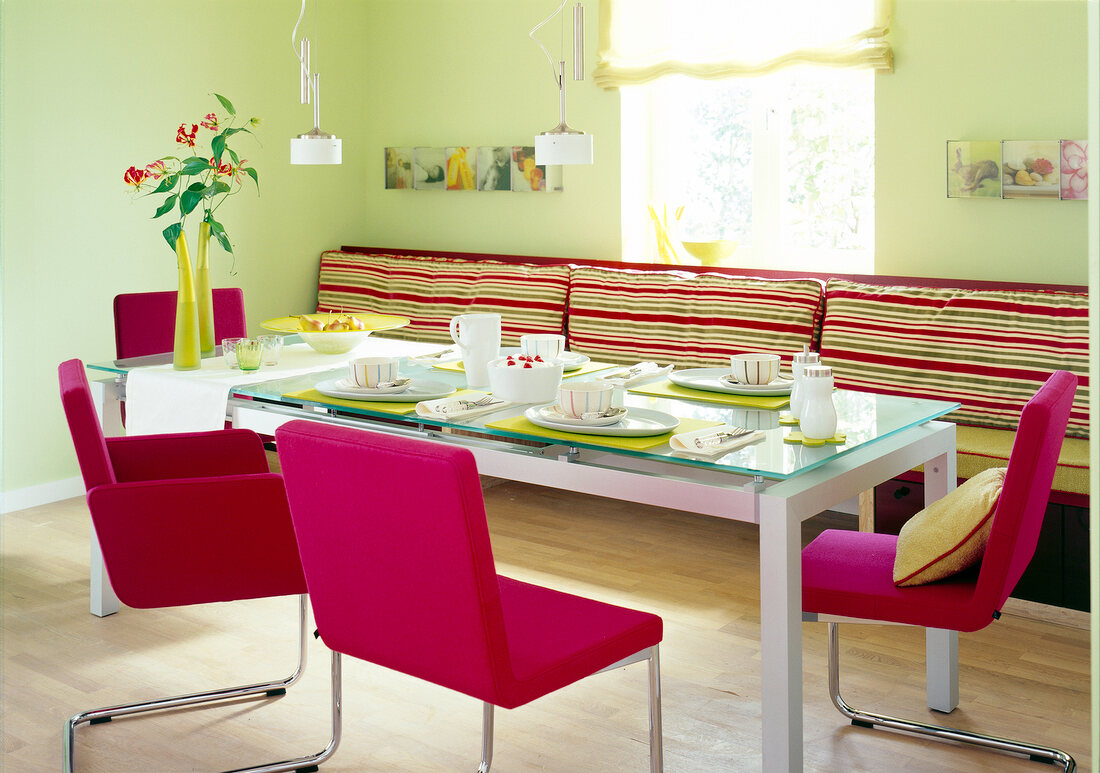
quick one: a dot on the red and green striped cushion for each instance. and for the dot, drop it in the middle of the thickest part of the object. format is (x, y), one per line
(987, 349)
(430, 290)
(689, 319)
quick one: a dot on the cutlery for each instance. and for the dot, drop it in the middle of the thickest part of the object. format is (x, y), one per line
(718, 438)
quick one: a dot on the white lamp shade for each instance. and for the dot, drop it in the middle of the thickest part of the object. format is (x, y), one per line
(315, 150)
(553, 149)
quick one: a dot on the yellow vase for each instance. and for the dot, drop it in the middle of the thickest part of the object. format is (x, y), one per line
(185, 350)
(203, 292)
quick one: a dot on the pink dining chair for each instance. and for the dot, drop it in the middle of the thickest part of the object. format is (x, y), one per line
(401, 574)
(848, 576)
(145, 322)
(185, 519)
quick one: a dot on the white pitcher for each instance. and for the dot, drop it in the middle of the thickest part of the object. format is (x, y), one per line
(478, 339)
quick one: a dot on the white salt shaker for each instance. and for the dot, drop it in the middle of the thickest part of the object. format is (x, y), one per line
(799, 361)
(818, 417)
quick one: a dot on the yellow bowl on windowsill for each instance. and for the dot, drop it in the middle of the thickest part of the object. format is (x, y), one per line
(711, 253)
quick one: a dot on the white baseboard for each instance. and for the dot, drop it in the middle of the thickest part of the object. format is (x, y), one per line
(43, 494)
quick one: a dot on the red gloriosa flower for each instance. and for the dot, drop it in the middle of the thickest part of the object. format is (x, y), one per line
(156, 170)
(134, 176)
(210, 122)
(185, 138)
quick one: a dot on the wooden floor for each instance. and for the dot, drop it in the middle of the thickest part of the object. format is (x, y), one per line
(1018, 677)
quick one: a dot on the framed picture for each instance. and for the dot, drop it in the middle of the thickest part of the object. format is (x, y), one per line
(1074, 173)
(526, 175)
(429, 169)
(494, 168)
(973, 169)
(1031, 169)
(461, 169)
(399, 168)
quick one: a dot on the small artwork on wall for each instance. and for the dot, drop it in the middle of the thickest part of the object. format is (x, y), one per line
(1075, 169)
(494, 168)
(1031, 169)
(973, 169)
(461, 169)
(399, 168)
(429, 169)
(526, 175)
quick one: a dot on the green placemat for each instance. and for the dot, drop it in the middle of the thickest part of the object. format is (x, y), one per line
(520, 424)
(399, 409)
(589, 367)
(667, 389)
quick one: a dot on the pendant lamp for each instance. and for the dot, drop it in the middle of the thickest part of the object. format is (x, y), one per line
(564, 144)
(315, 146)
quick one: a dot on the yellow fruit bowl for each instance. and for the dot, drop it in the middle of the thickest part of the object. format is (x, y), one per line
(335, 341)
(711, 253)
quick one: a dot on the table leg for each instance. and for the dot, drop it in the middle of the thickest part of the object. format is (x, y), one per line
(941, 649)
(103, 600)
(781, 637)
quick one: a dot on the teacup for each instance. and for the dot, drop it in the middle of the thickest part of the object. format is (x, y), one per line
(577, 399)
(371, 371)
(545, 345)
(754, 368)
(478, 339)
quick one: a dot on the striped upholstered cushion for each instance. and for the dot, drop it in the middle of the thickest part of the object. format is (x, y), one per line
(688, 319)
(988, 349)
(430, 290)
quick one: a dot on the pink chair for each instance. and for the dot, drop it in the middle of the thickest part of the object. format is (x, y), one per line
(185, 519)
(850, 574)
(145, 322)
(396, 554)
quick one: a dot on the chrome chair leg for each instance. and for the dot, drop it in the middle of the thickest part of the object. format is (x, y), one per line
(273, 688)
(869, 720)
(656, 743)
(486, 738)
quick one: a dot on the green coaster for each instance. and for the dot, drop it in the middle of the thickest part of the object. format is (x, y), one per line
(787, 418)
(797, 437)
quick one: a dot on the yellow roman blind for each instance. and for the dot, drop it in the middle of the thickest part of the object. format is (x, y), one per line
(641, 40)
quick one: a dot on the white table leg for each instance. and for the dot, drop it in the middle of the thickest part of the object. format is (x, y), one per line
(103, 599)
(941, 649)
(780, 637)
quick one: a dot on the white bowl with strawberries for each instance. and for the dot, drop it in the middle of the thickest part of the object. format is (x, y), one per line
(521, 378)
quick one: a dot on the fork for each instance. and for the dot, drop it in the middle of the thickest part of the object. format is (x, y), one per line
(486, 400)
(718, 438)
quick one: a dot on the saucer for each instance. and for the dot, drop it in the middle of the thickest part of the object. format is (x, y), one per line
(554, 413)
(638, 422)
(401, 385)
(414, 392)
(713, 380)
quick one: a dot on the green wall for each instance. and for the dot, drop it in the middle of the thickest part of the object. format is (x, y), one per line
(91, 88)
(978, 70)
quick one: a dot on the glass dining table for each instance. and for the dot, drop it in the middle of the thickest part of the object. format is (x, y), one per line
(772, 482)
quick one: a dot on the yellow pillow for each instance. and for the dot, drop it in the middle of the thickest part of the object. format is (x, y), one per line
(950, 534)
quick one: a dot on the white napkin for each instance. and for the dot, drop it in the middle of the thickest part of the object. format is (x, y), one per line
(160, 399)
(685, 441)
(448, 408)
(634, 374)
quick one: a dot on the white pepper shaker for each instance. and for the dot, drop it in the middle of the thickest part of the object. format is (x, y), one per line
(799, 362)
(818, 418)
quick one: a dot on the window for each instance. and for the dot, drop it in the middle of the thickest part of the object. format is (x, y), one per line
(782, 164)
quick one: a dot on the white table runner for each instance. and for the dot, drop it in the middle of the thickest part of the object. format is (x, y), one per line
(160, 399)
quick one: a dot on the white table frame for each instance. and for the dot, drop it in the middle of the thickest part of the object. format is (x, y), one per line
(778, 507)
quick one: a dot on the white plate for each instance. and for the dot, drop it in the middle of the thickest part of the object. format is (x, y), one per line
(569, 360)
(710, 380)
(418, 390)
(347, 383)
(553, 413)
(638, 422)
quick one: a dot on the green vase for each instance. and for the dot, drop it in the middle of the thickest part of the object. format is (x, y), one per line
(203, 292)
(185, 350)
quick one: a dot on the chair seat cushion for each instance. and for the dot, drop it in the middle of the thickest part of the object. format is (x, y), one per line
(557, 638)
(950, 534)
(851, 574)
(982, 448)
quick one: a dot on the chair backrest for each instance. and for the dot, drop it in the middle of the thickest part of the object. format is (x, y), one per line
(88, 440)
(1023, 501)
(396, 553)
(145, 322)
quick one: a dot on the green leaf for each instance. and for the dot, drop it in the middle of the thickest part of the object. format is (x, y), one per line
(219, 233)
(230, 132)
(171, 233)
(167, 183)
(254, 175)
(233, 155)
(194, 166)
(218, 186)
(191, 198)
(226, 104)
(217, 147)
(166, 206)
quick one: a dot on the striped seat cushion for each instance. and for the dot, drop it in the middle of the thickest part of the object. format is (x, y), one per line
(430, 290)
(990, 350)
(689, 319)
